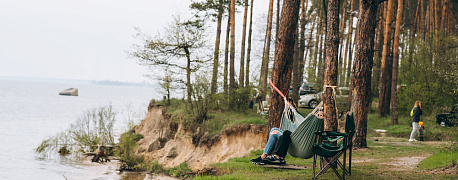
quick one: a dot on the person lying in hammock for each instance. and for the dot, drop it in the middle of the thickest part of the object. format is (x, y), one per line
(278, 143)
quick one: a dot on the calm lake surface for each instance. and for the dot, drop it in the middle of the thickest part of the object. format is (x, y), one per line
(31, 110)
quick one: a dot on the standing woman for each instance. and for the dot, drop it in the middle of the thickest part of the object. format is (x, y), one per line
(415, 119)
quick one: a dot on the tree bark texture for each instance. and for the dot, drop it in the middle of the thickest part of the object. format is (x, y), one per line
(445, 16)
(216, 52)
(281, 72)
(378, 51)
(232, 56)
(265, 68)
(342, 38)
(310, 67)
(188, 76)
(320, 66)
(362, 68)
(242, 55)
(331, 70)
(387, 65)
(436, 21)
(248, 53)
(304, 5)
(397, 32)
(295, 95)
(226, 58)
(348, 46)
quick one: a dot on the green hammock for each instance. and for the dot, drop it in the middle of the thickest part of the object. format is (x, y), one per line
(303, 130)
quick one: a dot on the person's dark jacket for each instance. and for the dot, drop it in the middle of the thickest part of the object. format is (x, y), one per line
(416, 114)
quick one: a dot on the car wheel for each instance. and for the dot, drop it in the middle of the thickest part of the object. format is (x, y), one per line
(313, 104)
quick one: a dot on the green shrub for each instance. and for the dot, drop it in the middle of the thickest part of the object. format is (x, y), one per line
(241, 99)
(155, 167)
(126, 152)
(179, 171)
(93, 127)
(439, 160)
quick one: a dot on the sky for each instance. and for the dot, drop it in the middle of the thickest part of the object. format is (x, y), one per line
(78, 39)
(84, 39)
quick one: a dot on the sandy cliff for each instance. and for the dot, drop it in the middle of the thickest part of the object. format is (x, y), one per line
(171, 145)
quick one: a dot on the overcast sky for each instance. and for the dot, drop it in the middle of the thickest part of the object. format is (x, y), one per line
(82, 39)
(78, 39)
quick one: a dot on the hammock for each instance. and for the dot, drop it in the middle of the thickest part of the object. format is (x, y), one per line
(303, 130)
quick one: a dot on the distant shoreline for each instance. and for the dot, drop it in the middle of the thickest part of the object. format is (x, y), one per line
(57, 80)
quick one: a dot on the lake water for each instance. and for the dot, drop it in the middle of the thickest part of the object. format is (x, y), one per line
(31, 110)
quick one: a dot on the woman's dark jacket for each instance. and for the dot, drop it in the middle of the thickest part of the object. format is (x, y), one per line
(416, 114)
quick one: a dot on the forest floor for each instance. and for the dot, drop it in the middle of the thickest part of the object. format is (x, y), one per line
(385, 158)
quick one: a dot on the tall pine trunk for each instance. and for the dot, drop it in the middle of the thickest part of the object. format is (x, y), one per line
(302, 41)
(295, 78)
(216, 53)
(397, 32)
(348, 46)
(387, 66)
(281, 72)
(378, 51)
(232, 57)
(362, 68)
(265, 68)
(242, 56)
(445, 16)
(320, 66)
(248, 53)
(298, 68)
(436, 21)
(226, 59)
(310, 67)
(332, 64)
(341, 44)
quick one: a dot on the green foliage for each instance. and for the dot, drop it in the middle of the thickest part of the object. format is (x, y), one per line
(201, 91)
(240, 99)
(92, 128)
(430, 77)
(179, 171)
(219, 121)
(155, 167)
(433, 131)
(126, 153)
(439, 160)
(453, 147)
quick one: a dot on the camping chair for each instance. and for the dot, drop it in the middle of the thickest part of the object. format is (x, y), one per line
(330, 146)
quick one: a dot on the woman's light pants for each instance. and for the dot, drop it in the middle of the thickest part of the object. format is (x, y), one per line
(414, 130)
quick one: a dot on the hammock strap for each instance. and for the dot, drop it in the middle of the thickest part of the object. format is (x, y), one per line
(278, 90)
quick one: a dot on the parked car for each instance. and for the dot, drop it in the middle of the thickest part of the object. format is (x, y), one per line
(307, 88)
(448, 119)
(312, 100)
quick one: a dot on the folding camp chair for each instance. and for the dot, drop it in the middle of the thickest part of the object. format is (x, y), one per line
(330, 146)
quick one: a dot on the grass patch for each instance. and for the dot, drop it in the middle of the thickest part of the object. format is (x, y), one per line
(433, 132)
(378, 165)
(439, 160)
(179, 171)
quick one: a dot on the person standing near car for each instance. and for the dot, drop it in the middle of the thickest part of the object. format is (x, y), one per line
(417, 112)
(261, 96)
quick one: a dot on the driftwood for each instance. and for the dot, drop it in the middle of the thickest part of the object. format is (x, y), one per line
(99, 154)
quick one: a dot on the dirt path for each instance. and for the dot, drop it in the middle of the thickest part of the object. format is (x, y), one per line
(392, 163)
